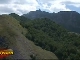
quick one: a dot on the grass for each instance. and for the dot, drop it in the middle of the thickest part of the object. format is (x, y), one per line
(14, 35)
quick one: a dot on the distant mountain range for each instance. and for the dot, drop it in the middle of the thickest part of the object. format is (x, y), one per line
(68, 19)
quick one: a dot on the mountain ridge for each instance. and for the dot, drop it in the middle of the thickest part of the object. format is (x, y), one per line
(68, 19)
(52, 37)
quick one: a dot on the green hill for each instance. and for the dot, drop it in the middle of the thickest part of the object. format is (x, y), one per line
(53, 37)
(13, 35)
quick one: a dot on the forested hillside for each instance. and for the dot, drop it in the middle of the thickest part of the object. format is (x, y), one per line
(53, 37)
(68, 19)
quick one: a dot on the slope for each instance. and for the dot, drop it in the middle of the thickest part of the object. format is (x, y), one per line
(53, 37)
(68, 19)
(13, 33)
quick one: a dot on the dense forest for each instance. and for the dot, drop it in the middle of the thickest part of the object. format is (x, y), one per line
(52, 37)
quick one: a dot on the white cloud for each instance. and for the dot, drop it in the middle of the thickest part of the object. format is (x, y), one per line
(24, 6)
(20, 7)
(75, 3)
(55, 6)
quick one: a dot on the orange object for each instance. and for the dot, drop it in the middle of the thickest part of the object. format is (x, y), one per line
(5, 53)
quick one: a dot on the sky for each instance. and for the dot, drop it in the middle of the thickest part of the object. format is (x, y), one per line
(24, 6)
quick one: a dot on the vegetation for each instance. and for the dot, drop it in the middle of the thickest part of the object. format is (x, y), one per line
(12, 37)
(3, 43)
(50, 36)
(68, 19)
(33, 57)
(53, 37)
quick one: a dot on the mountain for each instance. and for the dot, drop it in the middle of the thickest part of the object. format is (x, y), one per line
(12, 35)
(37, 14)
(68, 19)
(52, 37)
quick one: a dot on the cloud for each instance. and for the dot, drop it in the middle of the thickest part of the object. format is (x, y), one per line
(54, 6)
(20, 7)
(73, 3)
(24, 6)
(5, 1)
(73, 8)
(5, 9)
